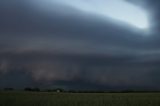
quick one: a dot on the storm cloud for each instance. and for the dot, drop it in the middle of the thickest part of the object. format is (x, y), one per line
(44, 44)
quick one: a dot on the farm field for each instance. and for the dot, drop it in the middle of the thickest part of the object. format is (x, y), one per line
(78, 99)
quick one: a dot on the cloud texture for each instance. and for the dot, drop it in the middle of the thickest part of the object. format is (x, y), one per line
(59, 45)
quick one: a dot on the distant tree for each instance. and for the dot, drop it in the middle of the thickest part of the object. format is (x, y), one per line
(8, 89)
(55, 90)
(27, 89)
(36, 89)
(32, 89)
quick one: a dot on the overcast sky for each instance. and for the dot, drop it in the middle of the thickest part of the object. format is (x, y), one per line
(80, 44)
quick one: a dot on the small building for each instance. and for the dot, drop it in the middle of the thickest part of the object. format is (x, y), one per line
(58, 90)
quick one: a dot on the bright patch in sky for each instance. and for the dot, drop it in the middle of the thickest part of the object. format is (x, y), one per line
(116, 9)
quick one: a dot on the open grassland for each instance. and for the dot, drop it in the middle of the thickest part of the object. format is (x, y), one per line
(78, 99)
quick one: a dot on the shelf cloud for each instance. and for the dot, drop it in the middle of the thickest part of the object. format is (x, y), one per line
(48, 44)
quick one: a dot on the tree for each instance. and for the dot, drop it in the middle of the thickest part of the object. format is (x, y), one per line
(8, 89)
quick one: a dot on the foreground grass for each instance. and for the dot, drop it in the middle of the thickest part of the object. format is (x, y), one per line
(78, 99)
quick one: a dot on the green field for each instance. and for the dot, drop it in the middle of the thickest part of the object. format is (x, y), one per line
(78, 99)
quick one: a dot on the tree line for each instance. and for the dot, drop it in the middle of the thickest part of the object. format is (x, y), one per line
(36, 89)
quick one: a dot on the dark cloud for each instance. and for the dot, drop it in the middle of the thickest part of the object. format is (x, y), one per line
(105, 71)
(67, 47)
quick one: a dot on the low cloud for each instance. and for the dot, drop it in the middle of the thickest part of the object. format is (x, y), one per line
(112, 71)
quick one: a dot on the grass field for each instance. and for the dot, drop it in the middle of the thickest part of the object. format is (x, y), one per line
(78, 99)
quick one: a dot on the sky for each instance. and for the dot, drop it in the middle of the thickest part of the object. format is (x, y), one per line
(80, 44)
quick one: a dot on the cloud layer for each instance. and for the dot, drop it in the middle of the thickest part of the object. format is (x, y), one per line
(64, 46)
